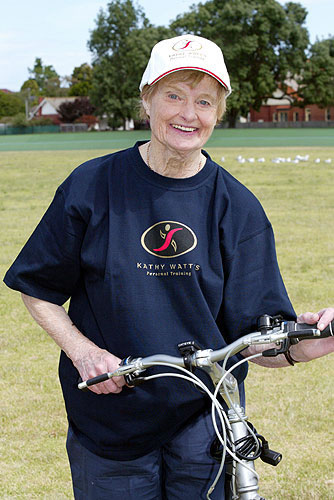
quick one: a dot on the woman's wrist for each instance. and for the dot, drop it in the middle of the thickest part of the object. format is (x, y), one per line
(289, 358)
(79, 348)
(295, 355)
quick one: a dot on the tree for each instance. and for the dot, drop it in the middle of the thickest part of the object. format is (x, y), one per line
(10, 104)
(19, 120)
(81, 80)
(263, 43)
(30, 86)
(316, 83)
(47, 79)
(121, 45)
(70, 111)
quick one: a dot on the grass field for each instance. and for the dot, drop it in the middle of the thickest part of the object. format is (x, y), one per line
(227, 138)
(292, 407)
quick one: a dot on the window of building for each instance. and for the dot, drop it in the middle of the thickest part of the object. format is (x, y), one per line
(307, 115)
(283, 116)
(328, 115)
(274, 117)
(296, 116)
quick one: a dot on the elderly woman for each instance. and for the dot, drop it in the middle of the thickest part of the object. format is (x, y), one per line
(154, 245)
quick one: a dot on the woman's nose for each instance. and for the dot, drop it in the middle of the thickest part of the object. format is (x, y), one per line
(188, 111)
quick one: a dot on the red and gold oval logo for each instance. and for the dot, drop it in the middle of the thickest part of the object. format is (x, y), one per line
(168, 239)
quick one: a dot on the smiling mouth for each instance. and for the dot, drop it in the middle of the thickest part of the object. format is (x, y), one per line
(184, 129)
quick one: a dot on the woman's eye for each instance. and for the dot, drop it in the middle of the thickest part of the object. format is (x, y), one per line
(173, 96)
(203, 102)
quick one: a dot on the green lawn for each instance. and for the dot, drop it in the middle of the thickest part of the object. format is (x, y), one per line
(230, 138)
(292, 407)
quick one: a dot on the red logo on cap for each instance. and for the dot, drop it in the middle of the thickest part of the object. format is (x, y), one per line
(187, 44)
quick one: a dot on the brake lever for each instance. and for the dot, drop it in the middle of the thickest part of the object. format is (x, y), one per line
(287, 327)
(132, 379)
(271, 353)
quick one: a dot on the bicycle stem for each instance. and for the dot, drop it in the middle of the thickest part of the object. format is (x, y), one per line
(215, 371)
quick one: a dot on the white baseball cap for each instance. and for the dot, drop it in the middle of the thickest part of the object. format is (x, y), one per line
(186, 52)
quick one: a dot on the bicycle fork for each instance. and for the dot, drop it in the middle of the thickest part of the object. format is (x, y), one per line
(244, 477)
(243, 473)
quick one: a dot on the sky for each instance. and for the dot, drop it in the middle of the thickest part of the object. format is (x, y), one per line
(58, 31)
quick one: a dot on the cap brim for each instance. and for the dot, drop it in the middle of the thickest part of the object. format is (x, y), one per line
(195, 68)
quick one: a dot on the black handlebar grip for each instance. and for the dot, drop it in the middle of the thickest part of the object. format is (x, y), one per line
(305, 331)
(328, 331)
(93, 381)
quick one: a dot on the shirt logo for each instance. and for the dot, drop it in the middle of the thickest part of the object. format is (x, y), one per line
(187, 45)
(168, 239)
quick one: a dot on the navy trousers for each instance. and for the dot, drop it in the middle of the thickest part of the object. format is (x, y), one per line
(182, 469)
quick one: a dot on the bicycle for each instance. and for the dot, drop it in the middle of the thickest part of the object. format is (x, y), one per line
(237, 444)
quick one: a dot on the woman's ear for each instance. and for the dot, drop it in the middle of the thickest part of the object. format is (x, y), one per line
(146, 106)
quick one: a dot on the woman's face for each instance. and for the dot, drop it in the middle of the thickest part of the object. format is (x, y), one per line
(182, 118)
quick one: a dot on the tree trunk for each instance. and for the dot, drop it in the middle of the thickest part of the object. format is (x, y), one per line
(232, 117)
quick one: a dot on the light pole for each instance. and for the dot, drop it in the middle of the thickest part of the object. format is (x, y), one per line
(27, 99)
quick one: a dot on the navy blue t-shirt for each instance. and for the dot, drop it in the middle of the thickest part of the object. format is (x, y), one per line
(148, 262)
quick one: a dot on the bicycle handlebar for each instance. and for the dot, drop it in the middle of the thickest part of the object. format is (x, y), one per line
(286, 330)
(138, 364)
(303, 331)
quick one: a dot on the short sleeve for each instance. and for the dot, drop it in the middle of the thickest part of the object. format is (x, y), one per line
(48, 266)
(253, 285)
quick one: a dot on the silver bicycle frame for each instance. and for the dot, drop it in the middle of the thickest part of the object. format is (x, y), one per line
(243, 474)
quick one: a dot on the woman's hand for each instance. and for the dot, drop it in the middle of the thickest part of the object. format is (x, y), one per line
(306, 350)
(91, 361)
(86, 356)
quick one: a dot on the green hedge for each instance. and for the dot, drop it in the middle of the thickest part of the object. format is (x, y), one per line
(34, 129)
